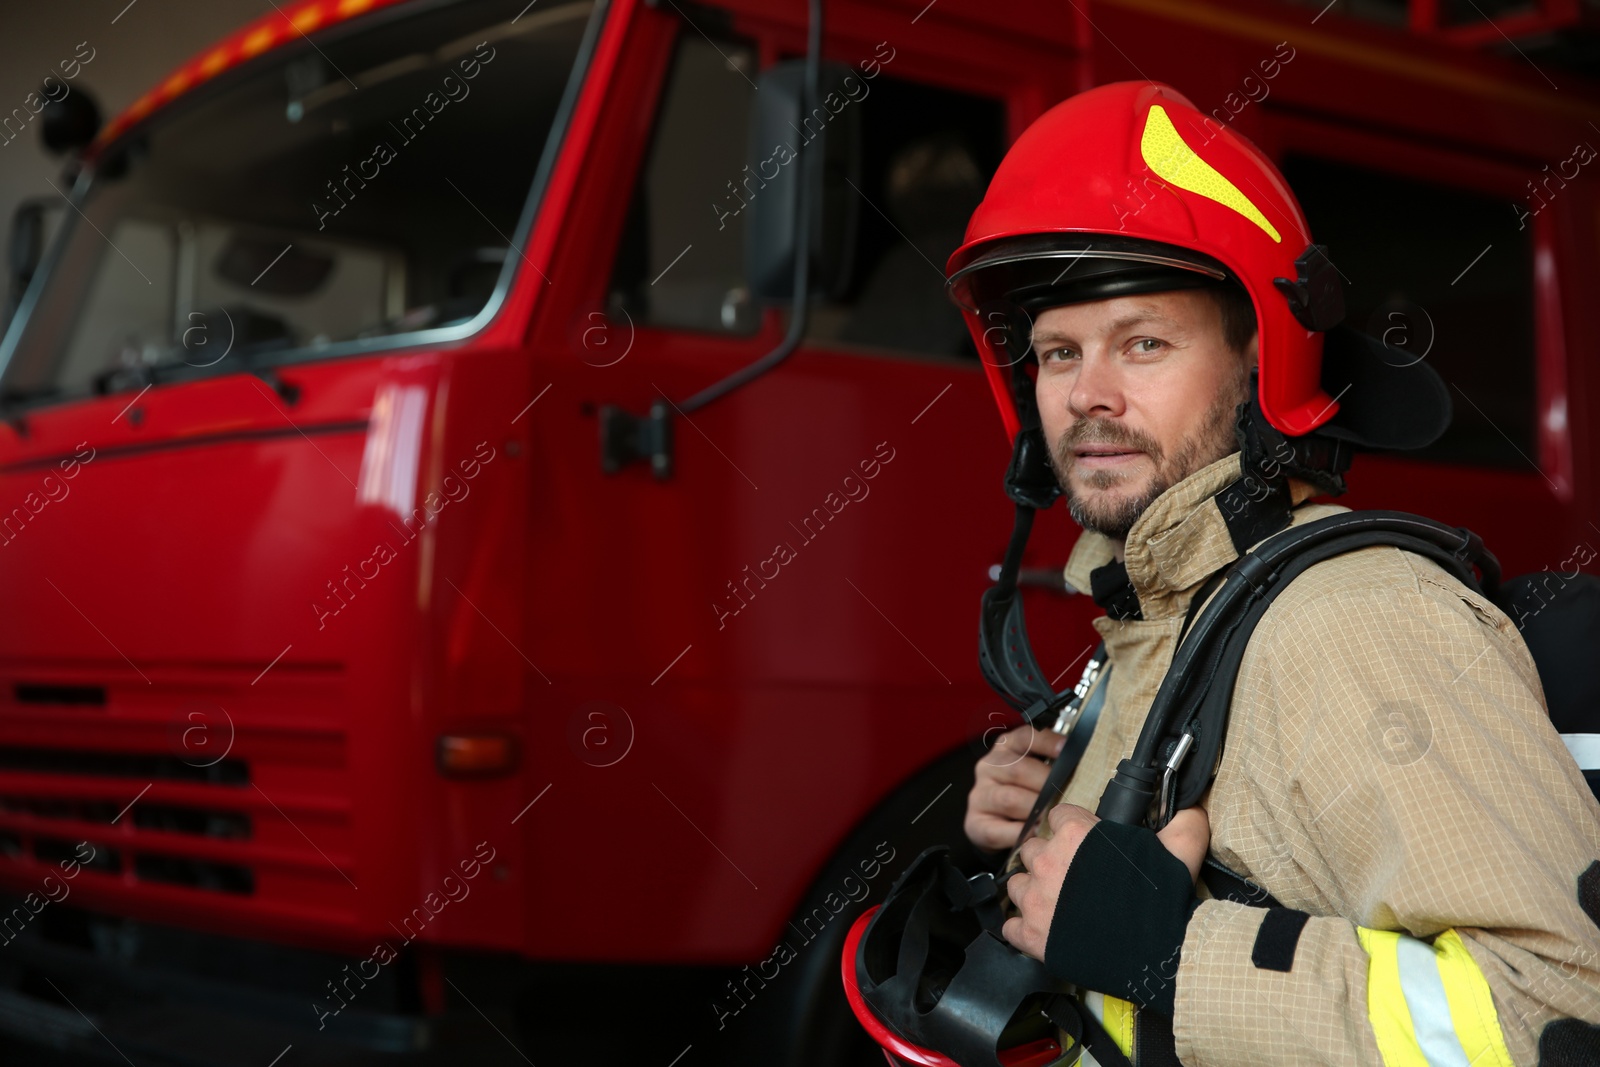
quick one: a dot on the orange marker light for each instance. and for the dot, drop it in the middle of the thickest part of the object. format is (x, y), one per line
(476, 755)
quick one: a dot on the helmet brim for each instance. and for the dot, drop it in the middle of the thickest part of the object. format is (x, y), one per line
(1052, 269)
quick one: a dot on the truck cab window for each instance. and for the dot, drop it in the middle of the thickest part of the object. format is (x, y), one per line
(927, 155)
(681, 262)
(1444, 274)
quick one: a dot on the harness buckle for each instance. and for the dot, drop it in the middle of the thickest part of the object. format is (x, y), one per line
(1074, 707)
(1164, 812)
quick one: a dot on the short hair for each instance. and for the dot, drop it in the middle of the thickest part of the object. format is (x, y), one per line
(1238, 314)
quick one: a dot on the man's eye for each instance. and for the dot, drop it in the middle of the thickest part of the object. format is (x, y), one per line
(1155, 344)
(1064, 353)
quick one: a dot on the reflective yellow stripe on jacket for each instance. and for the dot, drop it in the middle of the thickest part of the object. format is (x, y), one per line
(1115, 1015)
(1430, 1005)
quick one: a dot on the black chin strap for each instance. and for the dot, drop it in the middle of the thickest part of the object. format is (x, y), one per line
(1268, 457)
(1005, 655)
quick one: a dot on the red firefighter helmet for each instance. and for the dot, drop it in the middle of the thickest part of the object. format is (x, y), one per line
(1128, 188)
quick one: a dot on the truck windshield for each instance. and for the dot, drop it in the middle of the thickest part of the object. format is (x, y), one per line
(364, 184)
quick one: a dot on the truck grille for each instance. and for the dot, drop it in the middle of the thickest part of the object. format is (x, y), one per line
(196, 874)
(265, 823)
(92, 695)
(225, 825)
(121, 765)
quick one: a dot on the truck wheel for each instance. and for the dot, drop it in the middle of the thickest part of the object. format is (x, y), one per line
(801, 1017)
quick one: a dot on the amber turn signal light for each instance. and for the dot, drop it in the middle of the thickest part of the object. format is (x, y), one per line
(476, 755)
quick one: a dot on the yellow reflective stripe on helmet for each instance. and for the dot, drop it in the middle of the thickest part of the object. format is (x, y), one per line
(1116, 1016)
(1166, 153)
(1429, 1005)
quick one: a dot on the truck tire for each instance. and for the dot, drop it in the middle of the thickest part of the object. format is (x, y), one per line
(801, 1018)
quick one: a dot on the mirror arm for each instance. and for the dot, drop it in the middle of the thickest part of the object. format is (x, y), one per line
(802, 253)
(624, 437)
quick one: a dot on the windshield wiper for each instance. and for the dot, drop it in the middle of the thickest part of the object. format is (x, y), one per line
(106, 382)
(10, 398)
(111, 380)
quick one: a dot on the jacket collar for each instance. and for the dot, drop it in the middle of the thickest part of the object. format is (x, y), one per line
(1179, 541)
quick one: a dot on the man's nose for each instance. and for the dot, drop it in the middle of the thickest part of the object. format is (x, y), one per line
(1096, 389)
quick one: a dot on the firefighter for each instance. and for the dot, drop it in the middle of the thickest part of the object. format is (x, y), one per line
(1390, 775)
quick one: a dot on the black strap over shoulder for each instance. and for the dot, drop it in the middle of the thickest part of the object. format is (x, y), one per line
(1197, 692)
(1194, 698)
(1199, 598)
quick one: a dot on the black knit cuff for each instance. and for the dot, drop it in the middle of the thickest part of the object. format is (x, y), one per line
(1119, 922)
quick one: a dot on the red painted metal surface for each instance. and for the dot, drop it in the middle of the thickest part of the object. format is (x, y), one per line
(1545, 16)
(183, 572)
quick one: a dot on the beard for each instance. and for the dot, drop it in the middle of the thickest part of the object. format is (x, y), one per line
(1099, 508)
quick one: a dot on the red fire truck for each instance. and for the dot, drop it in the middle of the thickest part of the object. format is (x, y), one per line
(396, 659)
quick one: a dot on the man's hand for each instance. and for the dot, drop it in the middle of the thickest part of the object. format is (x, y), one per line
(1036, 889)
(1009, 778)
(1188, 837)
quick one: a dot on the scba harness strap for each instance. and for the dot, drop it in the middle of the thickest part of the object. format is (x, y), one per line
(1180, 744)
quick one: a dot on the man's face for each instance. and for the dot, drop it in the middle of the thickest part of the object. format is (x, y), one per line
(1135, 394)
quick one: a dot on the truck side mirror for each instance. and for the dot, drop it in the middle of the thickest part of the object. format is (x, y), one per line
(69, 123)
(26, 245)
(788, 146)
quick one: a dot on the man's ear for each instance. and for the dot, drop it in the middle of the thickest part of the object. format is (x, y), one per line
(1252, 350)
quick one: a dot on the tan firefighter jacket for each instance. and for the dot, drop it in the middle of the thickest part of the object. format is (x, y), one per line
(1390, 769)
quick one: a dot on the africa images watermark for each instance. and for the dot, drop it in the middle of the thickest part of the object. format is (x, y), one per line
(1582, 153)
(455, 890)
(1531, 601)
(55, 490)
(455, 90)
(852, 888)
(384, 553)
(810, 528)
(32, 104)
(784, 154)
(33, 903)
(1141, 193)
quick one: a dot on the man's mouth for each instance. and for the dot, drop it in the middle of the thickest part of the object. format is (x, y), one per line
(1104, 452)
